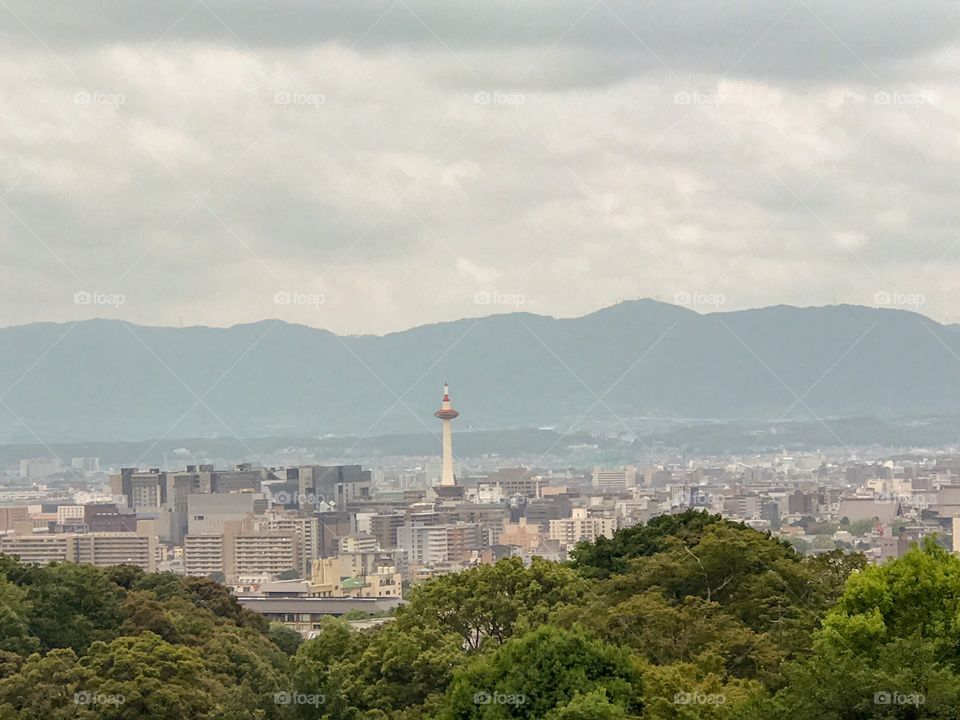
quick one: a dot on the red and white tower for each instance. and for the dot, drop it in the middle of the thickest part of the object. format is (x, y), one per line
(446, 413)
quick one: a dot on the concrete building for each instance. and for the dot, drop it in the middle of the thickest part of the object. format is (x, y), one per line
(40, 549)
(358, 543)
(517, 481)
(101, 549)
(120, 548)
(207, 514)
(384, 527)
(259, 554)
(203, 555)
(308, 537)
(581, 527)
(425, 544)
(11, 515)
(522, 534)
(614, 479)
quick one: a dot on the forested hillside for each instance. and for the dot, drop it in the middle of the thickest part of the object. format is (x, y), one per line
(690, 616)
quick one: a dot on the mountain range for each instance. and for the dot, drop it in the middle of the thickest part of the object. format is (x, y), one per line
(634, 363)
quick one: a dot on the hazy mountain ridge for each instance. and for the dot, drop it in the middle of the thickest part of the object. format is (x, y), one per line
(108, 380)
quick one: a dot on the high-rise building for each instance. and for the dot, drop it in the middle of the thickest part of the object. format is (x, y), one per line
(615, 479)
(447, 414)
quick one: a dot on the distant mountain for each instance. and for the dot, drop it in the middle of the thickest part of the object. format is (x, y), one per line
(110, 380)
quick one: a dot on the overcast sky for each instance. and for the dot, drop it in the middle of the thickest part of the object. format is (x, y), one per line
(367, 167)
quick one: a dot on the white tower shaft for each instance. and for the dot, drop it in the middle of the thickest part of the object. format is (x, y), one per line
(447, 477)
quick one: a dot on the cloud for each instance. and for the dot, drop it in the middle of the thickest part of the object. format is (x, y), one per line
(398, 160)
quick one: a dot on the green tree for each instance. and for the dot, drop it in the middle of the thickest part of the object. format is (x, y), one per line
(287, 639)
(71, 605)
(606, 557)
(541, 672)
(489, 603)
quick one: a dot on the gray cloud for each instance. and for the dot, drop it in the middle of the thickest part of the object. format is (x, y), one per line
(799, 153)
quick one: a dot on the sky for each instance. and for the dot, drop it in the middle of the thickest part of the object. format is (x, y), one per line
(371, 166)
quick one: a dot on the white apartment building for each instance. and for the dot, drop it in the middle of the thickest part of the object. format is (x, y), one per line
(615, 479)
(580, 526)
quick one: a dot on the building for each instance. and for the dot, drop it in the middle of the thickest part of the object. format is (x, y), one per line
(308, 537)
(40, 549)
(203, 555)
(101, 549)
(517, 481)
(447, 415)
(523, 534)
(615, 479)
(306, 614)
(384, 527)
(580, 527)
(11, 515)
(358, 543)
(432, 544)
(260, 554)
(120, 548)
(209, 513)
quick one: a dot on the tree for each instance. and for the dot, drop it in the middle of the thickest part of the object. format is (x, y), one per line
(489, 603)
(14, 632)
(606, 557)
(540, 673)
(71, 605)
(287, 639)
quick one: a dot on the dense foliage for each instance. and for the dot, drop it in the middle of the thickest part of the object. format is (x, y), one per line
(689, 616)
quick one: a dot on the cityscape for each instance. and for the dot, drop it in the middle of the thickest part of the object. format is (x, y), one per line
(479, 360)
(322, 540)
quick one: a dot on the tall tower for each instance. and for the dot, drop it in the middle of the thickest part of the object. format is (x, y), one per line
(446, 413)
